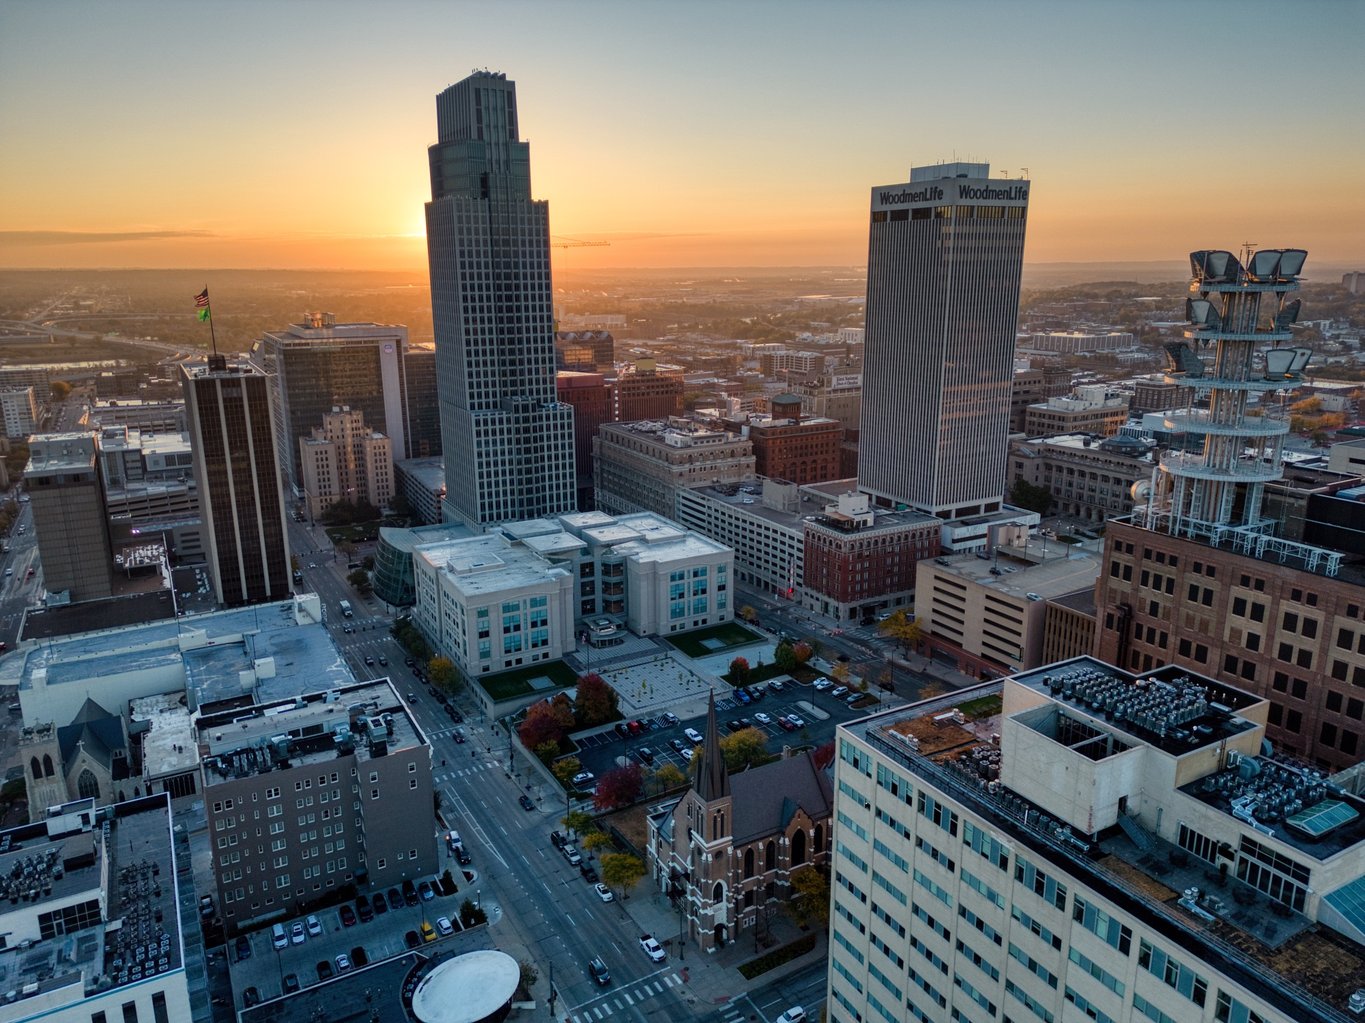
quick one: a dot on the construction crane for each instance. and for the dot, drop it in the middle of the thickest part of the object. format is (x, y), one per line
(573, 243)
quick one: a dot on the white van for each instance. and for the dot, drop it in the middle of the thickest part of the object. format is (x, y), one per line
(279, 937)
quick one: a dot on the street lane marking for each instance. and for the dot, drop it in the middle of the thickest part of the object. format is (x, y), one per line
(626, 996)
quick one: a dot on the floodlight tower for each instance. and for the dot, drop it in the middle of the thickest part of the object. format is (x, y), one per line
(1213, 489)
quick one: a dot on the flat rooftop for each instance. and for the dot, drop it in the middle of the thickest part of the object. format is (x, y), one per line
(1066, 571)
(308, 730)
(487, 563)
(136, 937)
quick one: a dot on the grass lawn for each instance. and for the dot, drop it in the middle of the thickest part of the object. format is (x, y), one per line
(982, 708)
(730, 634)
(355, 534)
(508, 684)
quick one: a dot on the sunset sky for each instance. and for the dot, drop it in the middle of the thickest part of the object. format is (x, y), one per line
(293, 133)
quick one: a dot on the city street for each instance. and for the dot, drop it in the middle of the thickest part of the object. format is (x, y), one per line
(18, 589)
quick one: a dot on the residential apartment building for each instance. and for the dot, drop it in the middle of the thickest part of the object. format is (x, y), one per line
(860, 560)
(345, 460)
(1077, 842)
(308, 795)
(99, 916)
(19, 412)
(506, 439)
(643, 466)
(320, 364)
(945, 255)
(1091, 408)
(1089, 480)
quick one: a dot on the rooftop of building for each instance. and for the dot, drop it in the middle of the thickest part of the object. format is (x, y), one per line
(1119, 444)
(323, 326)
(61, 620)
(223, 366)
(61, 861)
(167, 730)
(368, 720)
(676, 432)
(405, 540)
(1060, 570)
(274, 650)
(429, 472)
(645, 536)
(487, 563)
(954, 743)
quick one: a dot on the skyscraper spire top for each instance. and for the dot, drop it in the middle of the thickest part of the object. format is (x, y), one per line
(713, 781)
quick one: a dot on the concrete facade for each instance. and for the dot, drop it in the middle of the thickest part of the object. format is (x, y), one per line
(642, 466)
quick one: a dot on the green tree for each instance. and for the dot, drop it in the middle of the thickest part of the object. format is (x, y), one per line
(472, 915)
(564, 771)
(622, 870)
(443, 674)
(578, 821)
(810, 897)
(739, 671)
(746, 748)
(547, 751)
(905, 630)
(59, 390)
(596, 841)
(529, 975)
(840, 673)
(784, 655)
(368, 563)
(360, 579)
(1032, 498)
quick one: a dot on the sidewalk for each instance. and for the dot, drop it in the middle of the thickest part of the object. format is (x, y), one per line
(713, 978)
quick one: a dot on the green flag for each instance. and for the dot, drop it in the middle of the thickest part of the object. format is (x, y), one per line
(201, 304)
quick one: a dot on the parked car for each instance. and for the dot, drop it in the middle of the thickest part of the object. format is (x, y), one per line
(742, 695)
(634, 727)
(556, 840)
(853, 698)
(290, 984)
(243, 947)
(325, 971)
(251, 996)
(428, 932)
(693, 735)
(756, 692)
(822, 683)
(427, 891)
(462, 856)
(411, 939)
(348, 917)
(669, 717)
(395, 899)
(526, 802)
(380, 904)
(597, 970)
(363, 907)
(679, 746)
(762, 718)
(795, 1014)
(797, 720)
(297, 935)
(443, 926)
(734, 725)
(313, 925)
(583, 778)
(343, 963)
(838, 691)
(410, 895)
(777, 685)
(603, 892)
(645, 754)
(622, 729)
(589, 872)
(279, 937)
(571, 854)
(785, 723)
(359, 957)
(652, 948)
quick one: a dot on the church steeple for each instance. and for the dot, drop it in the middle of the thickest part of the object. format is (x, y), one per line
(713, 781)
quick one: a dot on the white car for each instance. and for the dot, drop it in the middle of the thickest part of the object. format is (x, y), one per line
(314, 926)
(444, 927)
(822, 683)
(797, 720)
(297, 935)
(652, 948)
(762, 718)
(603, 892)
(795, 1014)
(693, 735)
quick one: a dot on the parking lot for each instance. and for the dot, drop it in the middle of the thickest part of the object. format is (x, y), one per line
(385, 935)
(820, 710)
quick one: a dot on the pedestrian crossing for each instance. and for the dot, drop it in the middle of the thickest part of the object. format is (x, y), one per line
(732, 1013)
(608, 1005)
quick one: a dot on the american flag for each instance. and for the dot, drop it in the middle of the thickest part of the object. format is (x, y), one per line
(201, 300)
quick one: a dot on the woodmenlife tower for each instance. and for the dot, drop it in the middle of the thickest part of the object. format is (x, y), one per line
(945, 254)
(507, 440)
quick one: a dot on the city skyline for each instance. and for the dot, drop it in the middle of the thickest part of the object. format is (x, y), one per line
(214, 135)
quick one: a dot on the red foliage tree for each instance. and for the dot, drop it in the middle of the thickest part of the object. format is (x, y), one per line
(544, 723)
(619, 787)
(597, 701)
(824, 755)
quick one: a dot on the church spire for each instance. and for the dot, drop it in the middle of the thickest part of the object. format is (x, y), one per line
(713, 781)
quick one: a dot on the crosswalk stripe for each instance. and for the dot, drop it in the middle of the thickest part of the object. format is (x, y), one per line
(626, 996)
(670, 981)
(658, 988)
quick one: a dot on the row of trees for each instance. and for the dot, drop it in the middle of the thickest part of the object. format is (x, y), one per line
(548, 723)
(347, 513)
(618, 870)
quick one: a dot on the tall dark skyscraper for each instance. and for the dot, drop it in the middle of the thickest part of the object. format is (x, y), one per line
(945, 255)
(228, 407)
(506, 439)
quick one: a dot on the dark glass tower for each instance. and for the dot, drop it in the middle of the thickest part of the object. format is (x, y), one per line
(228, 408)
(506, 439)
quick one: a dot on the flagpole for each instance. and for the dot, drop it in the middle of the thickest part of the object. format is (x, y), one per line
(213, 335)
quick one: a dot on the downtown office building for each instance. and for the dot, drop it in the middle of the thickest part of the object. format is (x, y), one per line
(506, 438)
(945, 255)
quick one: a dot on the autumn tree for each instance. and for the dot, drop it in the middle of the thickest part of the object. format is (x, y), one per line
(596, 841)
(748, 613)
(564, 770)
(905, 630)
(669, 776)
(803, 651)
(746, 748)
(578, 821)
(622, 870)
(739, 672)
(545, 723)
(597, 701)
(824, 755)
(443, 674)
(619, 787)
(784, 655)
(840, 673)
(810, 897)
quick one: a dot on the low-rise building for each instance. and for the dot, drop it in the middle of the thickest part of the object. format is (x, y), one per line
(422, 481)
(308, 795)
(95, 900)
(1076, 841)
(987, 613)
(1089, 480)
(642, 466)
(1091, 408)
(789, 447)
(1077, 342)
(584, 351)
